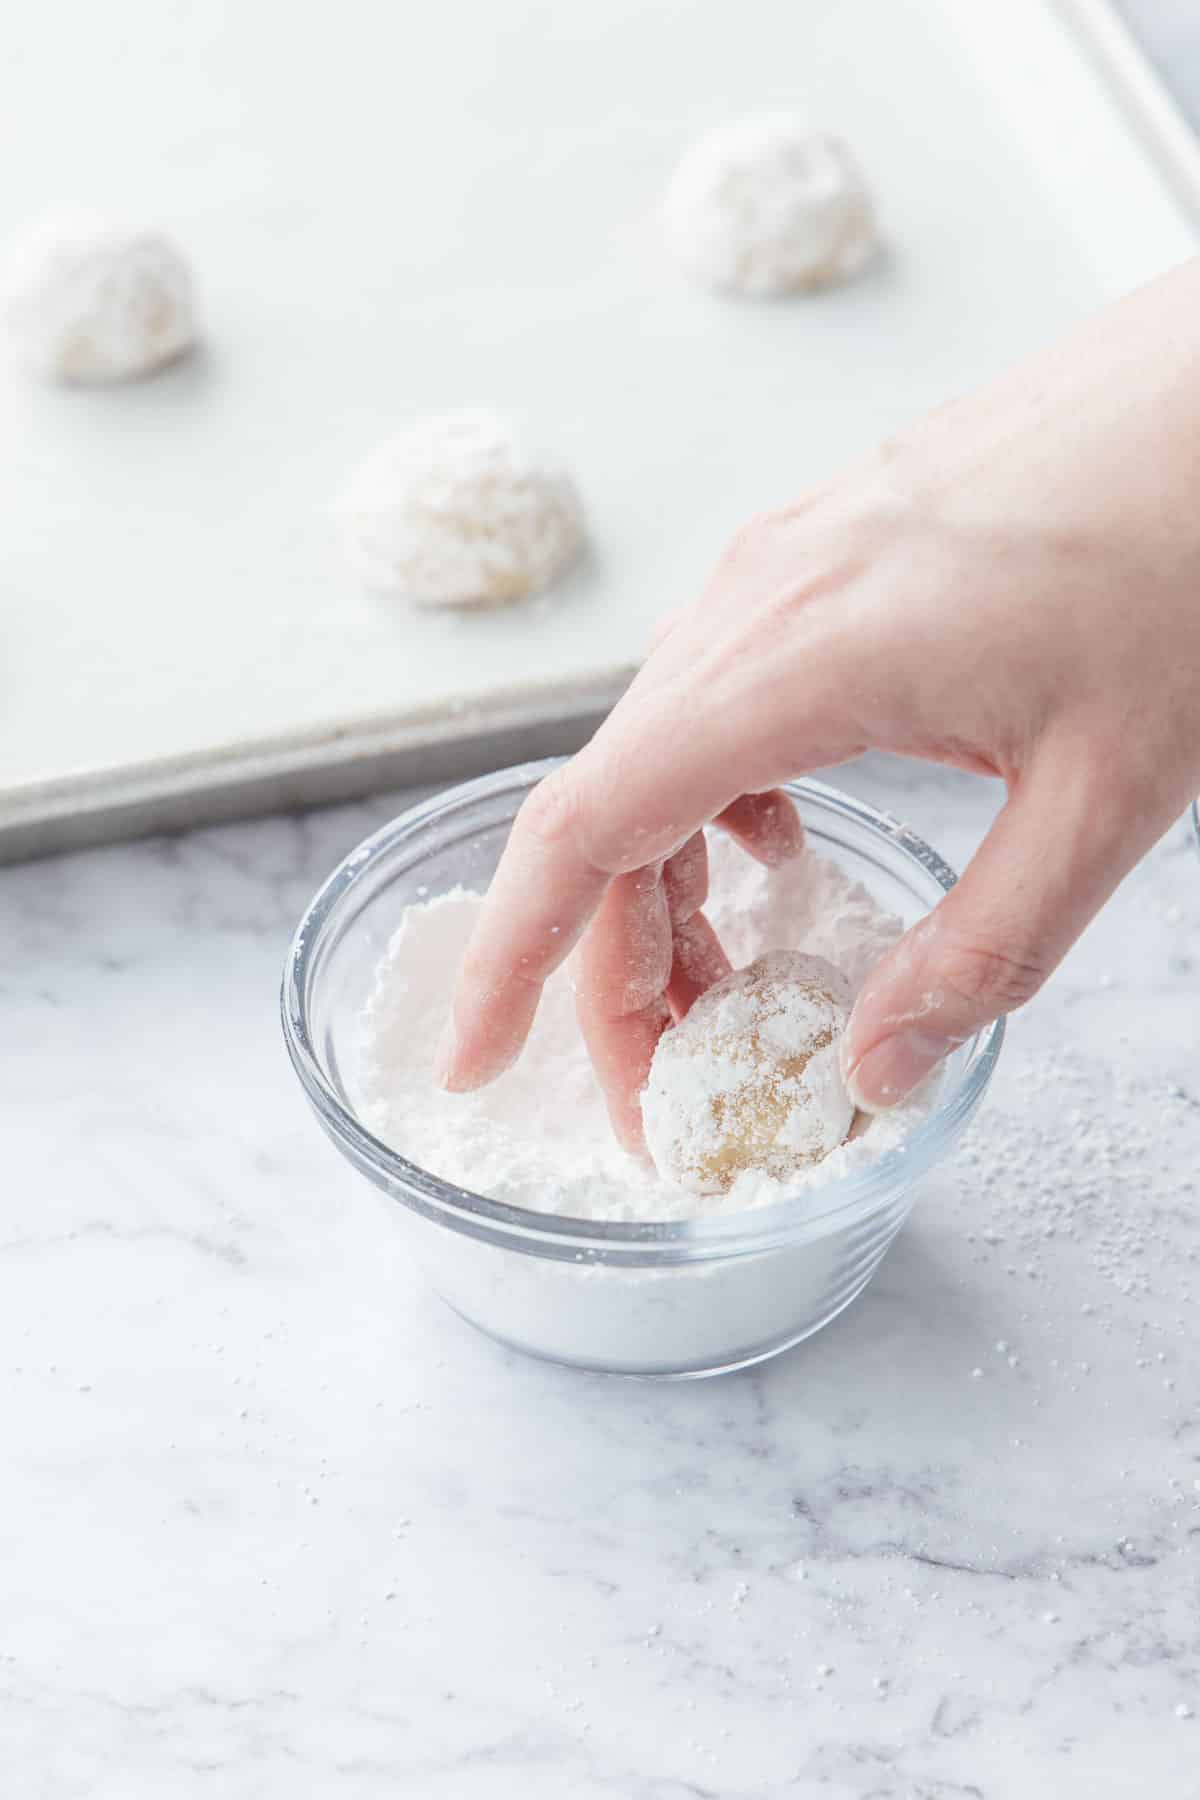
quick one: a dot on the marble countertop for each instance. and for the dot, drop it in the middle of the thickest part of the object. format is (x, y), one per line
(277, 1523)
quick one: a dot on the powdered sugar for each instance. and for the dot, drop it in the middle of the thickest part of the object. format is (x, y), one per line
(750, 1078)
(539, 1137)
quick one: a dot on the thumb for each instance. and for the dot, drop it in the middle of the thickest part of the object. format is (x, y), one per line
(1049, 862)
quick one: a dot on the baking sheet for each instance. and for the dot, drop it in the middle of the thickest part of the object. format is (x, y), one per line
(394, 209)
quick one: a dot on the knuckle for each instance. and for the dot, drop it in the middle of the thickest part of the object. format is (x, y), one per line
(552, 811)
(1002, 979)
(685, 878)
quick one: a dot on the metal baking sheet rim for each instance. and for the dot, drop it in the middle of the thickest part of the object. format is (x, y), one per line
(1140, 92)
(347, 763)
(320, 768)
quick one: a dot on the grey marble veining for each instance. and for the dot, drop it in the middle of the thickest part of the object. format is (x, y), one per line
(276, 1523)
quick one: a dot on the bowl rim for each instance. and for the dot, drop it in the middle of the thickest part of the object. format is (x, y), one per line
(812, 1212)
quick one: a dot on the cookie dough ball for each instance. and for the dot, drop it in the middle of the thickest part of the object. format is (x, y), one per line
(458, 512)
(750, 1078)
(768, 207)
(89, 301)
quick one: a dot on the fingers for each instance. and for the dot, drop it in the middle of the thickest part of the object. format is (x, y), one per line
(648, 954)
(541, 897)
(685, 879)
(700, 726)
(697, 957)
(539, 903)
(623, 969)
(642, 787)
(1050, 861)
(698, 963)
(767, 825)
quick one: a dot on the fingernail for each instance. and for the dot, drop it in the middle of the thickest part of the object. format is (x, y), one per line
(894, 1067)
(444, 1055)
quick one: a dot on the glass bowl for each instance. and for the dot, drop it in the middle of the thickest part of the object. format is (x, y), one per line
(678, 1297)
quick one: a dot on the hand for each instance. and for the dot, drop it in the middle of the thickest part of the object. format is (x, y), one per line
(1013, 588)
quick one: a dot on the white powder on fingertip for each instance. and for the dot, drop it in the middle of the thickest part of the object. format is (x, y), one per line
(539, 1137)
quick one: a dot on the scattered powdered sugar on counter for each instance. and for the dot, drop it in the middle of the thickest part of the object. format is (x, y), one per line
(1080, 1156)
(539, 1136)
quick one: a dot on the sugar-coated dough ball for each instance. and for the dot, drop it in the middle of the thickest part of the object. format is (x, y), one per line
(458, 512)
(750, 1078)
(89, 301)
(769, 207)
